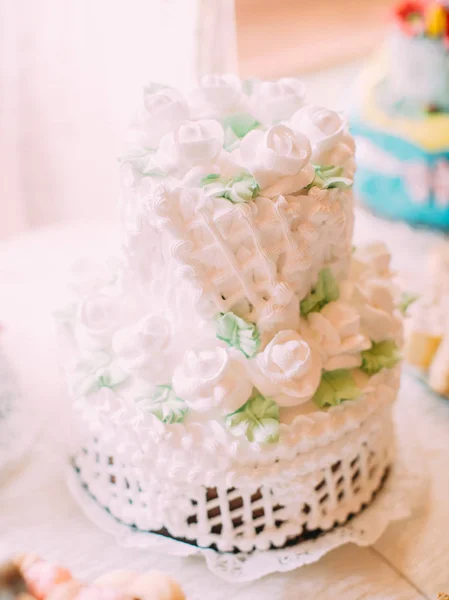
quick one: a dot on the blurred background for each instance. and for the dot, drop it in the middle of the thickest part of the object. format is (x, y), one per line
(71, 72)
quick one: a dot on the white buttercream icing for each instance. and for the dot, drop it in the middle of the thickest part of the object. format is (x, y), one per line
(97, 319)
(191, 144)
(375, 258)
(275, 101)
(323, 127)
(289, 369)
(217, 96)
(208, 239)
(229, 227)
(375, 303)
(142, 349)
(336, 330)
(210, 378)
(276, 153)
(163, 111)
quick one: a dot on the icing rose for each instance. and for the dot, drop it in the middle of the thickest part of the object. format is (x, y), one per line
(164, 111)
(323, 127)
(141, 350)
(276, 153)
(373, 259)
(375, 303)
(289, 369)
(209, 378)
(216, 96)
(274, 101)
(194, 143)
(337, 332)
(97, 316)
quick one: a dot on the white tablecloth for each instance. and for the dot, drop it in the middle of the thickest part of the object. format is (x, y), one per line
(38, 514)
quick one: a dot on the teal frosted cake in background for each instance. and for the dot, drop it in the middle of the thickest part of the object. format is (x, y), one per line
(400, 119)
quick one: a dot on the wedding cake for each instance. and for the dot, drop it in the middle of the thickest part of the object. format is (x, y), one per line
(234, 376)
(401, 119)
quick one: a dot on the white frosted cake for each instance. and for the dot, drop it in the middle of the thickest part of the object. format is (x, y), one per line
(235, 375)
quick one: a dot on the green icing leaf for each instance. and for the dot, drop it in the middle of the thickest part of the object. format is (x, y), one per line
(211, 178)
(238, 190)
(258, 420)
(407, 300)
(336, 387)
(239, 334)
(241, 189)
(381, 355)
(154, 173)
(163, 404)
(231, 141)
(240, 124)
(100, 371)
(327, 177)
(326, 290)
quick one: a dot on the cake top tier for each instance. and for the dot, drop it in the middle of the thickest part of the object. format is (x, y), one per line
(246, 186)
(236, 140)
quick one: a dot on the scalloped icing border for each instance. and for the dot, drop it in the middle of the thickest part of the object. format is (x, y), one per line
(307, 433)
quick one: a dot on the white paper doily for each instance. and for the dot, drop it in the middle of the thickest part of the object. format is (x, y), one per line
(396, 500)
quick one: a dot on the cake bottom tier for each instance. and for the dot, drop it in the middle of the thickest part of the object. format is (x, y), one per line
(288, 509)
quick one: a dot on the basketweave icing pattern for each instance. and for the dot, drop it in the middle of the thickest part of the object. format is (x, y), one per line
(256, 255)
(258, 516)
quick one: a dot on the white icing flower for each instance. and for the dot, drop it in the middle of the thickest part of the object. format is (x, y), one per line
(323, 127)
(274, 101)
(216, 96)
(289, 369)
(336, 328)
(141, 350)
(194, 143)
(373, 259)
(276, 153)
(164, 111)
(97, 318)
(210, 378)
(375, 303)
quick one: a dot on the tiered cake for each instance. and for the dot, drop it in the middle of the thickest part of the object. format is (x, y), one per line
(401, 119)
(236, 374)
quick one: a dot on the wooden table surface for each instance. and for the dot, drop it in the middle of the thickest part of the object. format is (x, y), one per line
(38, 514)
(280, 37)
